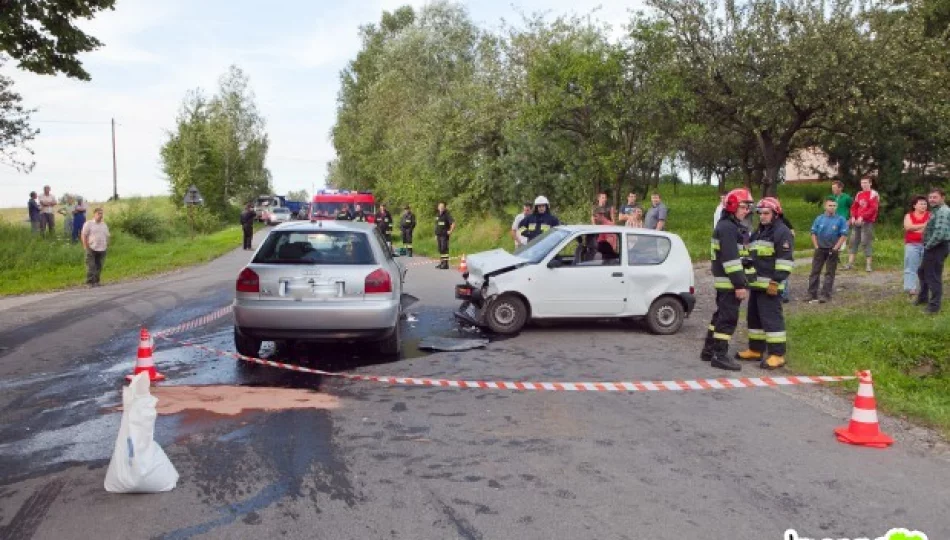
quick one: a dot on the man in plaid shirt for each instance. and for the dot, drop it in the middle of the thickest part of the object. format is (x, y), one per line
(936, 247)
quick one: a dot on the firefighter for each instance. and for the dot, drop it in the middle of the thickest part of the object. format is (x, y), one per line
(772, 255)
(384, 221)
(358, 214)
(407, 223)
(444, 225)
(730, 279)
(538, 221)
(344, 213)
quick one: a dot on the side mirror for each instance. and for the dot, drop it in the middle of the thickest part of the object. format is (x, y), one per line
(555, 263)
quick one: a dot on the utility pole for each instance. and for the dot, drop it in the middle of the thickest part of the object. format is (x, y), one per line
(115, 187)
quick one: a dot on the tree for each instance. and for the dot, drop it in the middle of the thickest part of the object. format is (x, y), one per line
(15, 130)
(219, 145)
(299, 195)
(775, 70)
(42, 36)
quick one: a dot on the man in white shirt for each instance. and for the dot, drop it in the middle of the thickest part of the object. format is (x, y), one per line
(516, 225)
(47, 207)
(718, 213)
(95, 240)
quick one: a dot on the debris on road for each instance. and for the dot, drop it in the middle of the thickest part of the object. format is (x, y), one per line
(437, 343)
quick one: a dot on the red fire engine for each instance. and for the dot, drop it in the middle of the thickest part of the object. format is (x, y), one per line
(327, 203)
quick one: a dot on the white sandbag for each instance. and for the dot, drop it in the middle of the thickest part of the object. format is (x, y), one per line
(139, 465)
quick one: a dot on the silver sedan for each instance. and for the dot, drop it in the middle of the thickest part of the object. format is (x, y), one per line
(320, 281)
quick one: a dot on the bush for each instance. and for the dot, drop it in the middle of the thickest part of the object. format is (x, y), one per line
(140, 221)
(197, 220)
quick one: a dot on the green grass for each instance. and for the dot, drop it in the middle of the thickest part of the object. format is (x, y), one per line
(33, 264)
(691, 212)
(907, 351)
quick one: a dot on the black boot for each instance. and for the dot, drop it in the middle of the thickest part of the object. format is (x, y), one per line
(410, 251)
(708, 346)
(721, 358)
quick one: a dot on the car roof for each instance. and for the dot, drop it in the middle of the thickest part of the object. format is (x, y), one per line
(325, 225)
(580, 228)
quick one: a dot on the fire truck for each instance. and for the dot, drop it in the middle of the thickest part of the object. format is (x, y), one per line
(327, 203)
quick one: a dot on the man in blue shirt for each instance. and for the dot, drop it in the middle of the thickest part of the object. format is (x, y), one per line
(828, 233)
(34, 208)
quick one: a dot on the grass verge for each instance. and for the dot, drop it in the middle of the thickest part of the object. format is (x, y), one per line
(32, 264)
(907, 351)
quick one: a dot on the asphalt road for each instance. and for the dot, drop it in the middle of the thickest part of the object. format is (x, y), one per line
(414, 462)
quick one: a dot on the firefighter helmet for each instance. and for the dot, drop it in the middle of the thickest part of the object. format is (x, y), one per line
(772, 203)
(736, 197)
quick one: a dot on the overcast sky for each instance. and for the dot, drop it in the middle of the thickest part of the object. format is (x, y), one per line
(155, 51)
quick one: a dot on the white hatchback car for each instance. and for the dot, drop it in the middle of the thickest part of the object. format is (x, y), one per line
(279, 215)
(581, 271)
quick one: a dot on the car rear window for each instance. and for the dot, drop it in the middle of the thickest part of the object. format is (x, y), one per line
(280, 211)
(643, 250)
(317, 247)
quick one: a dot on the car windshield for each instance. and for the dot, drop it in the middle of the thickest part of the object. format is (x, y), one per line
(329, 209)
(280, 211)
(316, 247)
(538, 248)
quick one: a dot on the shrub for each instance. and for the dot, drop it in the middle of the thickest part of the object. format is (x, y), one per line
(140, 221)
(198, 220)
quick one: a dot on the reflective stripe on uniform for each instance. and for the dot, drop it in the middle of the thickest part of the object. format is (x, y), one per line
(723, 283)
(732, 266)
(756, 335)
(784, 264)
(775, 337)
(712, 328)
(724, 337)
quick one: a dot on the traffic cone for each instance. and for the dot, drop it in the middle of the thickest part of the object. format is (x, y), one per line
(863, 429)
(463, 265)
(144, 361)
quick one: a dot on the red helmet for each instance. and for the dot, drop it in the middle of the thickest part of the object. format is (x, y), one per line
(772, 204)
(736, 197)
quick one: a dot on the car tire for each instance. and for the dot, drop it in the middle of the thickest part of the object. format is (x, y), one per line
(506, 315)
(245, 345)
(666, 316)
(392, 345)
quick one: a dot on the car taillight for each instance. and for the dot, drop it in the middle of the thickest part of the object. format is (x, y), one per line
(248, 281)
(692, 290)
(378, 281)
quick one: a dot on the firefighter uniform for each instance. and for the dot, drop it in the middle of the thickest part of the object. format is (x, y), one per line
(729, 274)
(537, 223)
(359, 215)
(772, 255)
(384, 222)
(443, 224)
(407, 224)
(344, 215)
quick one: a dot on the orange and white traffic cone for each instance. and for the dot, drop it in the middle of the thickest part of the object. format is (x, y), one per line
(144, 361)
(463, 265)
(863, 429)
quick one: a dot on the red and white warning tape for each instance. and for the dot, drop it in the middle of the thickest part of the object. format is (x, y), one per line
(628, 386)
(194, 323)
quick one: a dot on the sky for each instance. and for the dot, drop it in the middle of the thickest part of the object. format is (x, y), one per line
(155, 52)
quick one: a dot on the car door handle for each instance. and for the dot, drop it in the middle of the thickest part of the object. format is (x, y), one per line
(617, 274)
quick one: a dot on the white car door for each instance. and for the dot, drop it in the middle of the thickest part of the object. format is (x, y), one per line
(646, 275)
(577, 288)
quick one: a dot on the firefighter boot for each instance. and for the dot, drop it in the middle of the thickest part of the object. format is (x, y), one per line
(708, 346)
(721, 358)
(773, 362)
(749, 355)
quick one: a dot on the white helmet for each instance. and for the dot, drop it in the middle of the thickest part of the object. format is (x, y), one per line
(541, 200)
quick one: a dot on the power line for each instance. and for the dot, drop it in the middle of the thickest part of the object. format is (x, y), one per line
(77, 122)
